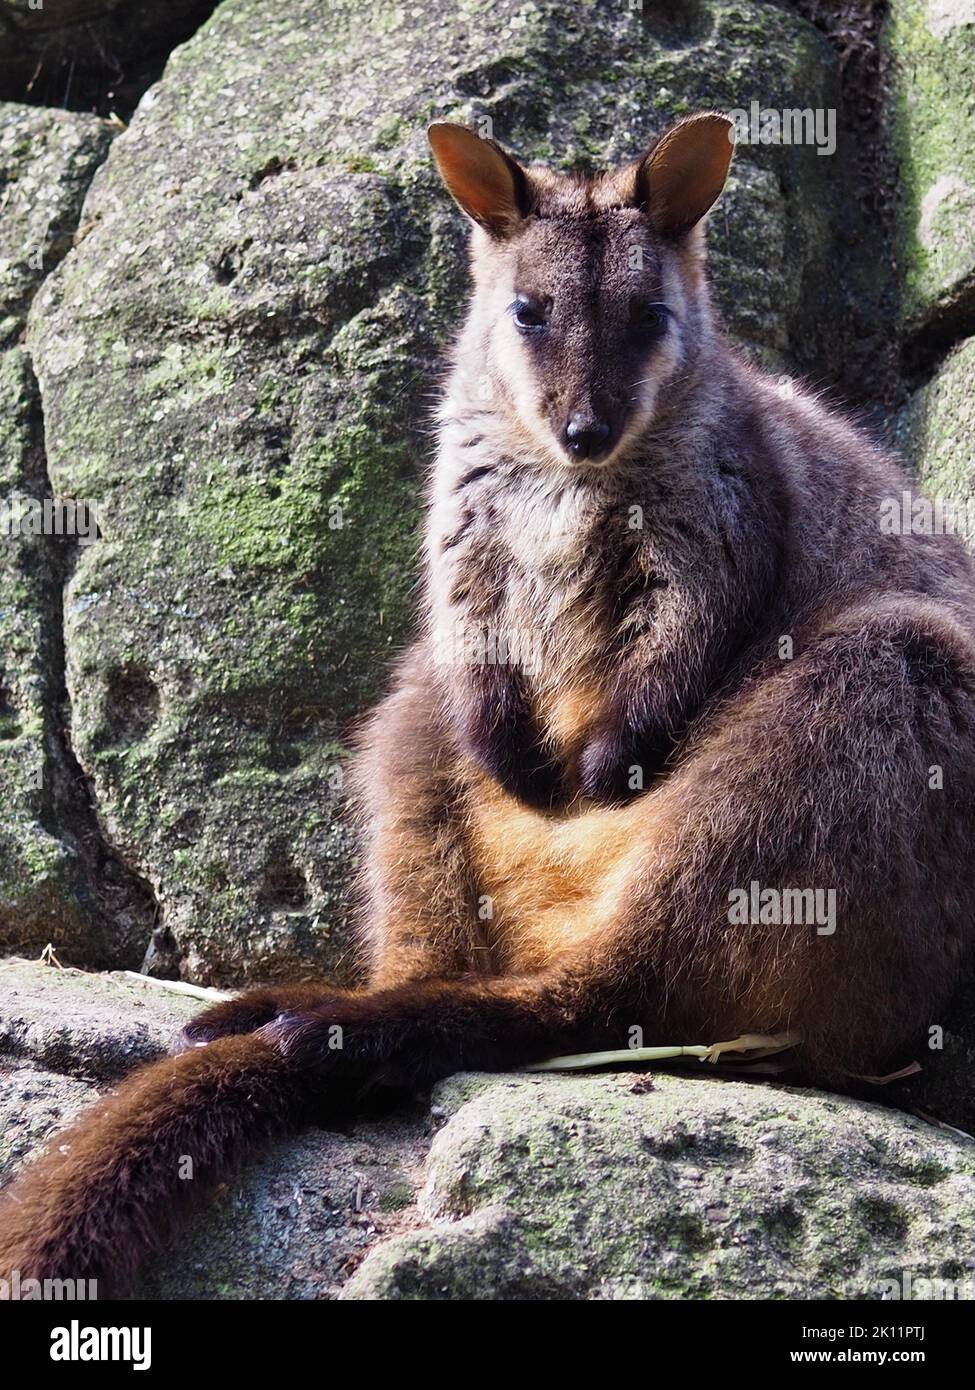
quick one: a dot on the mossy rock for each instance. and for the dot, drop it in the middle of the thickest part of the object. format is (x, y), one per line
(932, 43)
(624, 1187)
(936, 433)
(47, 159)
(59, 883)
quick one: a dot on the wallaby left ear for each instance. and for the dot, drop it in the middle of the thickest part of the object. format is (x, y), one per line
(679, 178)
(487, 183)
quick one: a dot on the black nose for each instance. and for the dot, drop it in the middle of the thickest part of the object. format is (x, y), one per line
(586, 437)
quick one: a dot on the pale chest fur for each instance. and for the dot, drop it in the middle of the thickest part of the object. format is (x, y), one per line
(518, 555)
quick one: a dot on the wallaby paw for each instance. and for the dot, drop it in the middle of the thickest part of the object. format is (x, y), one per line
(246, 1014)
(316, 1035)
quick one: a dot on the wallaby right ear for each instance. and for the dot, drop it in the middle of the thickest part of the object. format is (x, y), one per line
(682, 175)
(484, 181)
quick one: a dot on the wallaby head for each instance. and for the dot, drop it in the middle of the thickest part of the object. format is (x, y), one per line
(589, 294)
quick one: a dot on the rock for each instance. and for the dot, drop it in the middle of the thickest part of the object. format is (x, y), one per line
(293, 1225)
(236, 364)
(64, 1035)
(93, 1026)
(58, 880)
(299, 1220)
(932, 43)
(936, 430)
(33, 1103)
(579, 1188)
(47, 159)
(35, 864)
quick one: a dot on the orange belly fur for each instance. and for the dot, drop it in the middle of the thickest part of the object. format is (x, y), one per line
(552, 878)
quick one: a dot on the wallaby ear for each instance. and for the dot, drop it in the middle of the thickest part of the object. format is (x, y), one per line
(679, 178)
(487, 184)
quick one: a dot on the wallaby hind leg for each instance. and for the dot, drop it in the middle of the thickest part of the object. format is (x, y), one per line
(844, 782)
(843, 786)
(417, 888)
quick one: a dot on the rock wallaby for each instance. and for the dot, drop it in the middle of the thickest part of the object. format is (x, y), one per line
(677, 660)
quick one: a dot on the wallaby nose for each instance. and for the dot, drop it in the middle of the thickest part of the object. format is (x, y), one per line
(586, 437)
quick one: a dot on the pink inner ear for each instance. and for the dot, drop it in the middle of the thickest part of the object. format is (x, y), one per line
(685, 172)
(476, 174)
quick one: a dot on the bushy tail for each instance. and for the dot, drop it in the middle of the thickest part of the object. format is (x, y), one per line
(116, 1182)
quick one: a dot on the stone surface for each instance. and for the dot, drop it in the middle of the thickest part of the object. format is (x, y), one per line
(93, 1026)
(35, 862)
(937, 429)
(58, 880)
(594, 1187)
(47, 159)
(64, 1035)
(300, 1220)
(236, 364)
(933, 46)
(293, 1225)
(33, 1103)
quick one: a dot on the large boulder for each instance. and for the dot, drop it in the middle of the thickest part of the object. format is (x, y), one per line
(936, 431)
(58, 878)
(47, 159)
(932, 44)
(236, 364)
(622, 1187)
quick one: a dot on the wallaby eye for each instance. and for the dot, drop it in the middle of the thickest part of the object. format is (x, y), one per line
(529, 314)
(650, 320)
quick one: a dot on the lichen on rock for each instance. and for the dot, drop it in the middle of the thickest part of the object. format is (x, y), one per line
(933, 46)
(600, 1187)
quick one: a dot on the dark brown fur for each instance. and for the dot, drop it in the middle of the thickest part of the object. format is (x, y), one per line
(551, 840)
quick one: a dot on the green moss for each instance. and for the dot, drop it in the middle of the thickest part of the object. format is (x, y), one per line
(547, 1188)
(396, 1197)
(936, 429)
(360, 164)
(186, 376)
(934, 141)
